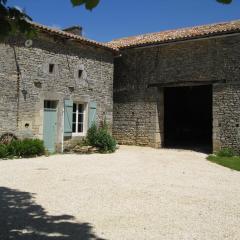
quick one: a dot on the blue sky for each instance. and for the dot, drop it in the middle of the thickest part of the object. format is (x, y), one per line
(119, 18)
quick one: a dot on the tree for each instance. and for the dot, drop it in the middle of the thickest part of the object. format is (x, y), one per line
(89, 4)
(225, 1)
(14, 21)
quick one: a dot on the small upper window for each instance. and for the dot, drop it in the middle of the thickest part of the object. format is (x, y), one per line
(80, 72)
(51, 68)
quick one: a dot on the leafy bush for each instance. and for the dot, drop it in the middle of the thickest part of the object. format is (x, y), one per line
(92, 135)
(105, 141)
(226, 152)
(22, 148)
(3, 151)
(14, 148)
(29, 147)
(100, 138)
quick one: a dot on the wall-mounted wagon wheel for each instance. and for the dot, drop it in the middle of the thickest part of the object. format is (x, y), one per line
(7, 138)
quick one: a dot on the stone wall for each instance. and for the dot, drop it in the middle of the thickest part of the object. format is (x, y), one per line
(22, 99)
(8, 90)
(141, 74)
(137, 119)
(226, 115)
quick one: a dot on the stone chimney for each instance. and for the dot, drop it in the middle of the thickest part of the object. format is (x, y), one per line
(77, 30)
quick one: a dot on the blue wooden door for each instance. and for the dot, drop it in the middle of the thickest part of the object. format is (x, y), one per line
(50, 126)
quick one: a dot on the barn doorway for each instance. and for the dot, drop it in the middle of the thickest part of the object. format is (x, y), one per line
(188, 117)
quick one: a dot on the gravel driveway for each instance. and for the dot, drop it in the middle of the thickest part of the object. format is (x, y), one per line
(136, 193)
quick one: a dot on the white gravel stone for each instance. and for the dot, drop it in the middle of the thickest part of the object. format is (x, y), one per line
(136, 193)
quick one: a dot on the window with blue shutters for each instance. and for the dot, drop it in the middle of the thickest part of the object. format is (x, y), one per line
(78, 117)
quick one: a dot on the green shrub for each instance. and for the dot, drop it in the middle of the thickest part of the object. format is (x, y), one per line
(100, 138)
(92, 135)
(14, 148)
(22, 148)
(3, 151)
(226, 152)
(105, 141)
(30, 148)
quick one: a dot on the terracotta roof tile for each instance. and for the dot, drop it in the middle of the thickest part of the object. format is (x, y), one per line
(72, 36)
(177, 35)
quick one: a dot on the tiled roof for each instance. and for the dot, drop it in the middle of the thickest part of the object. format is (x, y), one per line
(177, 35)
(72, 36)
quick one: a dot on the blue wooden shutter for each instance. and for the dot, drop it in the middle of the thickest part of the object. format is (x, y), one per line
(68, 115)
(92, 114)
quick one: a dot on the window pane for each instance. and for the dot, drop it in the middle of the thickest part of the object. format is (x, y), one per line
(80, 118)
(74, 107)
(80, 108)
(80, 127)
(50, 104)
(74, 127)
(74, 117)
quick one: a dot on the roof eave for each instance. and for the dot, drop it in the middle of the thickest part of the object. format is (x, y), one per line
(180, 39)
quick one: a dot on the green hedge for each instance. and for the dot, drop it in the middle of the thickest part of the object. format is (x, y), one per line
(22, 148)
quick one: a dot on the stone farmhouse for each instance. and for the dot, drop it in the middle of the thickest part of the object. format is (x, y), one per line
(55, 86)
(177, 88)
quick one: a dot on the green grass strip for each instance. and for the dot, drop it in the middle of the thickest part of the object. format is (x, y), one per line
(229, 162)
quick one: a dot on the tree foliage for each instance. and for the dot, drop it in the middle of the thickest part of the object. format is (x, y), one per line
(89, 4)
(225, 1)
(14, 21)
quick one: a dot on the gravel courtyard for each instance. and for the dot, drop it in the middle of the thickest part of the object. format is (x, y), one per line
(136, 193)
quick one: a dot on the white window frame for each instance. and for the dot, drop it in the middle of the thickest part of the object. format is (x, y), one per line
(85, 120)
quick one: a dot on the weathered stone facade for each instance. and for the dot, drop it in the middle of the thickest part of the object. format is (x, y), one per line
(226, 116)
(26, 82)
(83, 73)
(141, 73)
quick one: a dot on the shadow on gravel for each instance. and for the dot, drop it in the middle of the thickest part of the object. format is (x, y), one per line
(22, 219)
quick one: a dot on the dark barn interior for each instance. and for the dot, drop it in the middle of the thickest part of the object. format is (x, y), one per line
(188, 117)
